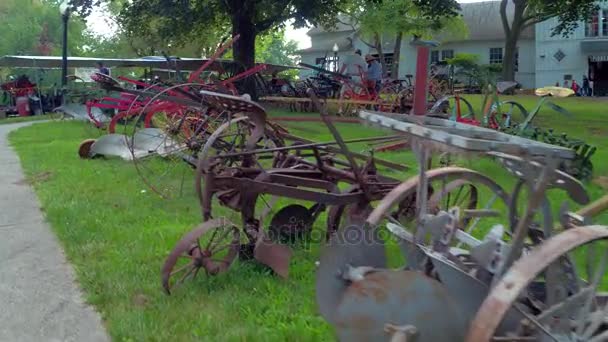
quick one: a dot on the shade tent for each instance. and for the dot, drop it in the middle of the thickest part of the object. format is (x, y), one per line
(183, 64)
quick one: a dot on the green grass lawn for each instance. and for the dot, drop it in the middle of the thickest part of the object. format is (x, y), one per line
(117, 234)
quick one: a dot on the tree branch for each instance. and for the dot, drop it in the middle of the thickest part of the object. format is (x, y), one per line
(531, 20)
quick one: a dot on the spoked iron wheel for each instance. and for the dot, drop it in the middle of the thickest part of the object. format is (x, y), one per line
(388, 99)
(164, 156)
(480, 201)
(476, 195)
(449, 106)
(511, 115)
(231, 137)
(212, 246)
(164, 142)
(554, 293)
(541, 223)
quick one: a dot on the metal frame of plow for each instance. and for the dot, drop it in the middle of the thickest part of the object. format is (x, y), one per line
(352, 292)
(303, 171)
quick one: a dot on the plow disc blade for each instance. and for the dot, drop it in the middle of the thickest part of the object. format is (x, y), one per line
(273, 255)
(353, 246)
(148, 141)
(111, 145)
(385, 302)
(153, 140)
(79, 112)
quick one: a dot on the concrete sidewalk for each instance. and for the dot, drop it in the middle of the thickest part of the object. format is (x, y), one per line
(39, 299)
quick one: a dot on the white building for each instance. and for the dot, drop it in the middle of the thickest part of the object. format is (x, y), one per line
(541, 59)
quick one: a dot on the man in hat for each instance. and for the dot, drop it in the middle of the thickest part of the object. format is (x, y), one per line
(374, 73)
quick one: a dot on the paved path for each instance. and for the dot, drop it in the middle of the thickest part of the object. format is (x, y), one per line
(39, 300)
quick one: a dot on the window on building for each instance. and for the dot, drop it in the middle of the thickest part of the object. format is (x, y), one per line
(388, 61)
(495, 55)
(328, 63)
(605, 23)
(332, 63)
(434, 57)
(447, 54)
(592, 27)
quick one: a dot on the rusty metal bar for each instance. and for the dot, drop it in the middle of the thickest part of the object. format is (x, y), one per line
(302, 181)
(299, 194)
(595, 208)
(311, 145)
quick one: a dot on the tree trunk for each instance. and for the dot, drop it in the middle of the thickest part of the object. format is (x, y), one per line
(396, 56)
(244, 48)
(512, 33)
(508, 61)
(378, 45)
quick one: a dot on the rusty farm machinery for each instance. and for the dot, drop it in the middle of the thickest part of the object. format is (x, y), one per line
(480, 262)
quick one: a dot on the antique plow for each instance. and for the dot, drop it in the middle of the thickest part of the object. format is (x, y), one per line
(496, 272)
(246, 160)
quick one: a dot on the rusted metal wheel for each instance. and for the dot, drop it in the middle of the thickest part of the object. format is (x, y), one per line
(84, 150)
(542, 222)
(165, 138)
(212, 246)
(340, 216)
(290, 223)
(479, 199)
(230, 137)
(451, 187)
(554, 293)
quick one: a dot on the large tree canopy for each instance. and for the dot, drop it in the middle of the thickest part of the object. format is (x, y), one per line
(399, 17)
(178, 21)
(34, 27)
(527, 13)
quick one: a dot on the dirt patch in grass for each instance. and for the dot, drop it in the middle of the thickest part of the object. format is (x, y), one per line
(599, 131)
(140, 300)
(601, 181)
(37, 178)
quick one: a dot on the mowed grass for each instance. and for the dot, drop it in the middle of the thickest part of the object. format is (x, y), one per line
(117, 234)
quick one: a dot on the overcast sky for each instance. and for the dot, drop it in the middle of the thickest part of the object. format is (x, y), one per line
(98, 24)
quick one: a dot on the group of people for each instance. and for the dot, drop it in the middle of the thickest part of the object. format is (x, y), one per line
(585, 89)
(370, 68)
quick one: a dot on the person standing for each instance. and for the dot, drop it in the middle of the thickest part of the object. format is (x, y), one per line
(353, 66)
(574, 87)
(374, 73)
(102, 69)
(585, 91)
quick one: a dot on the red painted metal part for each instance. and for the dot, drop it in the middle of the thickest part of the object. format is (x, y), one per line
(195, 75)
(420, 90)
